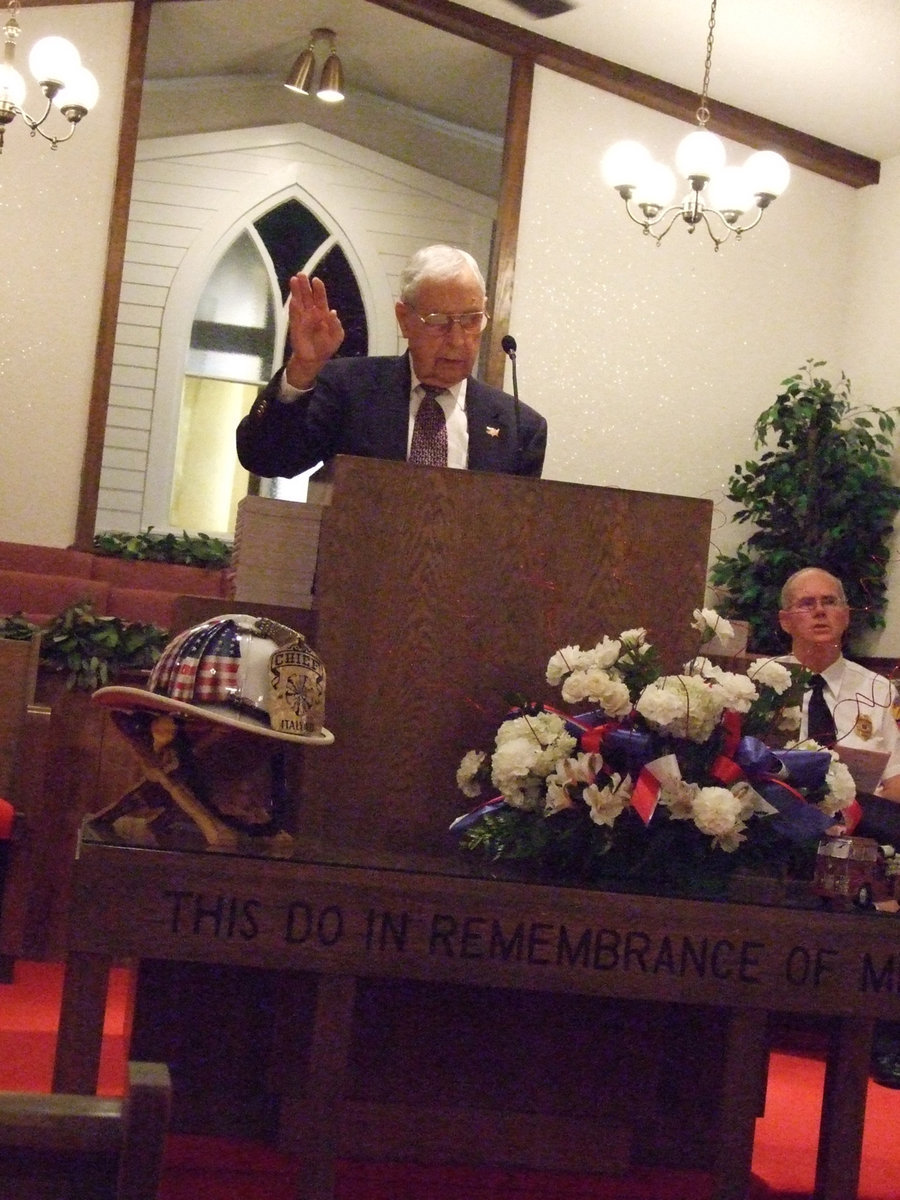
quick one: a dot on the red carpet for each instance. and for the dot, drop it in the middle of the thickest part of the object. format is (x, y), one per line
(210, 1169)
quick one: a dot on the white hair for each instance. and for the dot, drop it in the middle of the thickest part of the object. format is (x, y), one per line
(788, 588)
(436, 263)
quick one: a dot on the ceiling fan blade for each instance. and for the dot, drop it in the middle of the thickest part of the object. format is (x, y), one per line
(543, 8)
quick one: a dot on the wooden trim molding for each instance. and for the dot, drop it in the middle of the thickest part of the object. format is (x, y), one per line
(112, 285)
(506, 234)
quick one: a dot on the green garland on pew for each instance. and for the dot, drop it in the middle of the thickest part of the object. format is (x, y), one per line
(90, 648)
(187, 550)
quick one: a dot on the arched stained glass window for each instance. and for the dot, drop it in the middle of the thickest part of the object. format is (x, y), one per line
(234, 351)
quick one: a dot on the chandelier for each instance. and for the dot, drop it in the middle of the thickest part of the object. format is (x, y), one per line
(56, 65)
(726, 200)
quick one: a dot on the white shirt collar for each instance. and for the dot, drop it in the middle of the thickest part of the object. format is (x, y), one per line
(457, 392)
(833, 674)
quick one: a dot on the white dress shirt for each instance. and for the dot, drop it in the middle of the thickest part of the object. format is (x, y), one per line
(862, 704)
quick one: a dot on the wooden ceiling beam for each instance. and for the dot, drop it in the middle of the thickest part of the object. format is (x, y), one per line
(813, 154)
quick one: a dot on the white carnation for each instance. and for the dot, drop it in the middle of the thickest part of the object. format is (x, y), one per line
(682, 705)
(467, 772)
(704, 667)
(789, 718)
(771, 674)
(542, 728)
(603, 655)
(739, 691)
(634, 645)
(633, 637)
(526, 752)
(574, 688)
(709, 625)
(512, 762)
(562, 663)
(718, 813)
(660, 706)
(840, 785)
(599, 687)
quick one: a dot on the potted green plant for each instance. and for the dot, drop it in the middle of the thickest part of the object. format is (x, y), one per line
(820, 494)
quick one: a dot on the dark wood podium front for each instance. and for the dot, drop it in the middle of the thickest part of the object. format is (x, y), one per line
(347, 924)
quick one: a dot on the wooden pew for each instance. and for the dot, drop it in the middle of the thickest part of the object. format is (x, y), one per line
(86, 1147)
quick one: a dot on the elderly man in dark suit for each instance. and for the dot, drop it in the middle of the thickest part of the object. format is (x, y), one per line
(318, 406)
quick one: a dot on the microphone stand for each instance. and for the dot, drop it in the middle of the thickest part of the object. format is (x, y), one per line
(508, 343)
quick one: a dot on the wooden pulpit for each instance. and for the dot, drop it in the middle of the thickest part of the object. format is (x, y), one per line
(441, 592)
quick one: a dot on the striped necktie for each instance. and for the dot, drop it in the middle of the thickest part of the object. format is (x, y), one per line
(429, 438)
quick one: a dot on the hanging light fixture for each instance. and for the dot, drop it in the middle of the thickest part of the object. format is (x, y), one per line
(331, 81)
(720, 195)
(300, 72)
(56, 65)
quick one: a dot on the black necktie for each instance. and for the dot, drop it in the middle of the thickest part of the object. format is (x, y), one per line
(819, 721)
(428, 447)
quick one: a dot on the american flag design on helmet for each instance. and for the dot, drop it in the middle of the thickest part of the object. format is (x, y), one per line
(201, 665)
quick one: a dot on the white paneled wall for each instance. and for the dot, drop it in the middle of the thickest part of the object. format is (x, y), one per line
(191, 196)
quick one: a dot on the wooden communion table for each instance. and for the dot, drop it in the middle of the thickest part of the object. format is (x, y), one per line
(345, 924)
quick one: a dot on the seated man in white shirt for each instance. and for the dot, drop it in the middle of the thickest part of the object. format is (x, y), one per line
(815, 614)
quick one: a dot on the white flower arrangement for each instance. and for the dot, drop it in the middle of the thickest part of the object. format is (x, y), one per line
(667, 774)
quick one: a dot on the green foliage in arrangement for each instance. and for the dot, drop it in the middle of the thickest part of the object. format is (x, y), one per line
(91, 649)
(187, 550)
(821, 494)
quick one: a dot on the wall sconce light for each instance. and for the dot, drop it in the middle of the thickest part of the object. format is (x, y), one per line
(56, 65)
(331, 81)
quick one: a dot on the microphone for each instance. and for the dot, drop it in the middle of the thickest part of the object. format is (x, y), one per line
(508, 345)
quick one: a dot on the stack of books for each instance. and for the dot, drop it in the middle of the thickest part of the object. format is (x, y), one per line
(276, 545)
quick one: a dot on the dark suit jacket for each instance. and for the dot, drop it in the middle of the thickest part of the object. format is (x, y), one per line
(361, 406)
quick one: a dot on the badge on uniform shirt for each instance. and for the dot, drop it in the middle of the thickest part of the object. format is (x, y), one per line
(863, 727)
